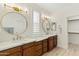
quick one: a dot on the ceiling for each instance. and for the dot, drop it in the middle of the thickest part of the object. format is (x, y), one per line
(60, 7)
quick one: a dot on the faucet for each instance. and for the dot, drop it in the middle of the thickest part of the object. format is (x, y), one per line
(18, 37)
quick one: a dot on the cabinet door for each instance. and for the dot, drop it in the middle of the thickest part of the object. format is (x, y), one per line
(50, 43)
(38, 50)
(29, 51)
(45, 46)
(55, 40)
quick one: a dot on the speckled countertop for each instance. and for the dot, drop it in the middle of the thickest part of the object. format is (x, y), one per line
(10, 44)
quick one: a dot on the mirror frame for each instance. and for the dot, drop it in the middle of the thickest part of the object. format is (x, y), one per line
(26, 17)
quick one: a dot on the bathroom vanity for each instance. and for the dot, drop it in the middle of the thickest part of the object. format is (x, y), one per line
(35, 48)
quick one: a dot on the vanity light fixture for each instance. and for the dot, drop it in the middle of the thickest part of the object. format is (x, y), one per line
(46, 18)
(14, 7)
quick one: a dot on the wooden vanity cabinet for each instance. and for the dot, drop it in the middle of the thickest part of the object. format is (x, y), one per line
(33, 48)
(45, 46)
(28, 49)
(16, 51)
(38, 48)
(50, 43)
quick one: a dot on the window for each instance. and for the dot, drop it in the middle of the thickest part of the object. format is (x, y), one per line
(36, 22)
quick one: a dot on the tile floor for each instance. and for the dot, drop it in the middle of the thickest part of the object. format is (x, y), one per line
(73, 50)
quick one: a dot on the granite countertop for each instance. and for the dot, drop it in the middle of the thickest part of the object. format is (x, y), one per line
(10, 44)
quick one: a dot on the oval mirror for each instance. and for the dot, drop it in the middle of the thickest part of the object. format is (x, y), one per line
(53, 26)
(14, 23)
(46, 26)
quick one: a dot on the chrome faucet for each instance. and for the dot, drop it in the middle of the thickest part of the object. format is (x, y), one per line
(17, 37)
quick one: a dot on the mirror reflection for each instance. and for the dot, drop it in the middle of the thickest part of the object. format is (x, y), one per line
(53, 26)
(46, 26)
(14, 23)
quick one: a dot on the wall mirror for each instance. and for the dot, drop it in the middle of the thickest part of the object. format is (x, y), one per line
(53, 26)
(14, 23)
(46, 26)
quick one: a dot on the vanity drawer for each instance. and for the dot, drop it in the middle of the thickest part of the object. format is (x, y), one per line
(38, 50)
(10, 51)
(38, 43)
(45, 46)
(45, 43)
(29, 51)
(28, 45)
(38, 47)
(50, 43)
